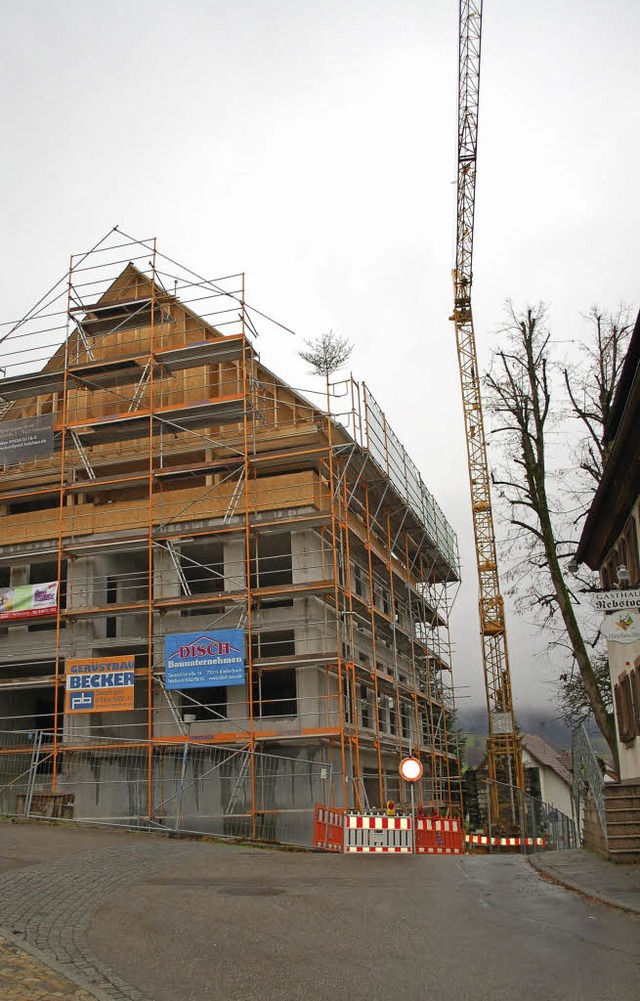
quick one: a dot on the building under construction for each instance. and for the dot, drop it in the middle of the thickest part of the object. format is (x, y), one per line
(213, 592)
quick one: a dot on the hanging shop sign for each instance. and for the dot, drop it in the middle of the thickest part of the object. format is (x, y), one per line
(623, 627)
(26, 439)
(100, 685)
(613, 601)
(204, 660)
(28, 600)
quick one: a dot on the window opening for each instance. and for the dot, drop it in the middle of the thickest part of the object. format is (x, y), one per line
(203, 567)
(205, 703)
(275, 693)
(275, 643)
(365, 718)
(271, 562)
(112, 598)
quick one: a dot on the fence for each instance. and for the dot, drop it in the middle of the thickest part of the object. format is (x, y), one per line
(232, 792)
(185, 787)
(406, 833)
(533, 825)
(588, 779)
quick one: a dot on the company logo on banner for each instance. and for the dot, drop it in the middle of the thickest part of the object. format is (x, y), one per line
(28, 600)
(99, 685)
(623, 627)
(204, 660)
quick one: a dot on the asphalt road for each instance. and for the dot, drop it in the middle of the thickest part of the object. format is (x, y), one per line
(263, 925)
(148, 918)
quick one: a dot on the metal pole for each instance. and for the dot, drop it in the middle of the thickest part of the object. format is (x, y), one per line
(35, 758)
(323, 777)
(522, 801)
(413, 824)
(183, 773)
(489, 825)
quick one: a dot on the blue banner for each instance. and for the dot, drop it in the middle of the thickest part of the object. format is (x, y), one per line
(204, 660)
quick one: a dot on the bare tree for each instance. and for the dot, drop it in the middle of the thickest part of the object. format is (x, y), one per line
(327, 353)
(521, 384)
(572, 698)
(591, 384)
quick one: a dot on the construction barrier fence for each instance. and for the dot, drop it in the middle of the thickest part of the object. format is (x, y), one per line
(190, 787)
(328, 829)
(439, 836)
(377, 834)
(349, 832)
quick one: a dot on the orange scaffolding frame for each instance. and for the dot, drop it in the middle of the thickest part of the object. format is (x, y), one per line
(147, 396)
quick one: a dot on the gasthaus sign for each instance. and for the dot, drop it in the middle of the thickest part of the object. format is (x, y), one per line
(204, 660)
(615, 601)
(99, 685)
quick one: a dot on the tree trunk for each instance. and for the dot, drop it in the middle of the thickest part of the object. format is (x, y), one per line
(603, 719)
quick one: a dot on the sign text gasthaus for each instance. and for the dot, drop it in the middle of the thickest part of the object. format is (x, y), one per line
(104, 685)
(613, 601)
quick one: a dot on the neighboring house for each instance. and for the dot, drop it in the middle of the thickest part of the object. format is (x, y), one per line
(546, 773)
(609, 545)
(160, 483)
(547, 808)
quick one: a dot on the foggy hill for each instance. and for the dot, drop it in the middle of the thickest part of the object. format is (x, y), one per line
(538, 721)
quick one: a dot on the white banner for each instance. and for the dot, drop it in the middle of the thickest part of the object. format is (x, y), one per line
(611, 601)
(623, 627)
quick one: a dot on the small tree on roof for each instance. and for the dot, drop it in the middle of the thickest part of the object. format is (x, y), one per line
(327, 353)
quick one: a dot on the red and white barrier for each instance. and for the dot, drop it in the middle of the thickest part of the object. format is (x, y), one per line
(358, 833)
(328, 829)
(337, 831)
(439, 836)
(370, 833)
(482, 839)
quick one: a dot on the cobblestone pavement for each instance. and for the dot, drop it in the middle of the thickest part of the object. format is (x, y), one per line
(48, 905)
(25, 978)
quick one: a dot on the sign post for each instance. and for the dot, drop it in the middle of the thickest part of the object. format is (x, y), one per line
(411, 771)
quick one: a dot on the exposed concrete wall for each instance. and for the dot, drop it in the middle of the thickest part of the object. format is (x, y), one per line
(209, 789)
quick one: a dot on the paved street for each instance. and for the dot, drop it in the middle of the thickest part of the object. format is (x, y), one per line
(141, 918)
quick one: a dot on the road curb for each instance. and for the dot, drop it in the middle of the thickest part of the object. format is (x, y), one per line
(587, 892)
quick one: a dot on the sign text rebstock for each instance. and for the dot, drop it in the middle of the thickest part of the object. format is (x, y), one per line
(204, 660)
(614, 601)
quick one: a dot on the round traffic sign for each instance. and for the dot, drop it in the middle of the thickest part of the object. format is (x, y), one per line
(411, 769)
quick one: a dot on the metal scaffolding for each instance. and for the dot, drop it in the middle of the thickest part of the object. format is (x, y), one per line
(189, 488)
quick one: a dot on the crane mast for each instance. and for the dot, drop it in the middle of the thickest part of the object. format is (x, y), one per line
(504, 755)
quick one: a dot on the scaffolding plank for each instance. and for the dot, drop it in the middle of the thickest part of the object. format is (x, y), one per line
(21, 387)
(129, 426)
(225, 349)
(103, 375)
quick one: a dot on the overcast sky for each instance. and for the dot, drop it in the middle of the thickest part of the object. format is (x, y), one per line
(313, 146)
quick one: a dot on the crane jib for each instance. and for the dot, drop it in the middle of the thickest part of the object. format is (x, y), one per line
(504, 754)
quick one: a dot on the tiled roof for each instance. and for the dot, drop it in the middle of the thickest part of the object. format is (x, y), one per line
(546, 755)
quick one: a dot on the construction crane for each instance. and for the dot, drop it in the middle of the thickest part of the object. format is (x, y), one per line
(504, 754)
